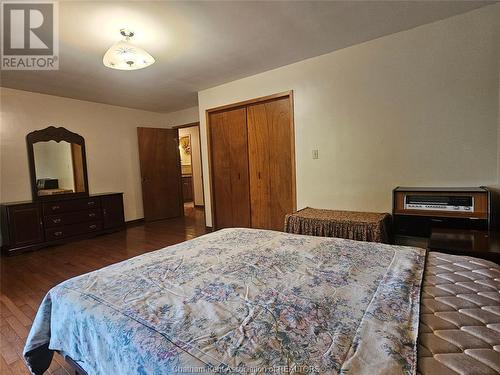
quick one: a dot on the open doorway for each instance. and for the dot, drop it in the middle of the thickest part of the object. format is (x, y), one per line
(191, 170)
(171, 173)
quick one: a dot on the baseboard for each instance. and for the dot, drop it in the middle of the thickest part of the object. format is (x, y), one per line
(209, 229)
(132, 223)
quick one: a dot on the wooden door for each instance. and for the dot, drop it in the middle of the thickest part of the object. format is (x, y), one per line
(78, 172)
(271, 161)
(160, 172)
(229, 160)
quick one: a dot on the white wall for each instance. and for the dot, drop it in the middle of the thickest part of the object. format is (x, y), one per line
(110, 139)
(419, 107)
(183, 117)
(194, 132)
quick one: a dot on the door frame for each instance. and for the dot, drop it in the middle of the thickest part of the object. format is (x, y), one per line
(245, 103)
(191, 125)
(191, 164)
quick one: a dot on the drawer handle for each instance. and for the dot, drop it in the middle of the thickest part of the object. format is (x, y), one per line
(93, 226)
(55, 208)
(91, 203)
(57, 234)
(56, 221)
(92, 214)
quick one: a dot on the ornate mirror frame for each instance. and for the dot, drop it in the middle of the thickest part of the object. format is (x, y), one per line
(55, 134)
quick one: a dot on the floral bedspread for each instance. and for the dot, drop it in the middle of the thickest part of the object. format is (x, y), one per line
(239, 301)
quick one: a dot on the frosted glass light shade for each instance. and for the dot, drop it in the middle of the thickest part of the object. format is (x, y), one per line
(124, 55)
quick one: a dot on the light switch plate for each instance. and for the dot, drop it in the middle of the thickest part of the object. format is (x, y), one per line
(315, 154)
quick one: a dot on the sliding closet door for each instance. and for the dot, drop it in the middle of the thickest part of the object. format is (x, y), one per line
(271, 163)
(228, 143)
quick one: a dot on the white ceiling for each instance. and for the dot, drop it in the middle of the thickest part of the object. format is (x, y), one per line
(200, 44)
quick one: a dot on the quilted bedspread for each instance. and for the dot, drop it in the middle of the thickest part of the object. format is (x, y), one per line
(239, 301)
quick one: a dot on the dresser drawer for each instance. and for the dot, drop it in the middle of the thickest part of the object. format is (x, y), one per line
(72, 218)
(72, 230)
(50, 208)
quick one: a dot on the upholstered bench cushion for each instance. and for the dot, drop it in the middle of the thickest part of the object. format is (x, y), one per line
(460, 316)
(360, 226)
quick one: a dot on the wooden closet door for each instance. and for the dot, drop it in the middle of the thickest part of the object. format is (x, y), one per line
(270, 149)
(229, 150)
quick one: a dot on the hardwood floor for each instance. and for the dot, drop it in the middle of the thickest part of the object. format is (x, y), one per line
(26, 278)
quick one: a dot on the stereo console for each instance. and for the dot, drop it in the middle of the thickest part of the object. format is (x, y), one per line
(439, 203)
(417, 211)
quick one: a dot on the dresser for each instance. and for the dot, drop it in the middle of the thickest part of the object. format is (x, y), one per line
(35, 224)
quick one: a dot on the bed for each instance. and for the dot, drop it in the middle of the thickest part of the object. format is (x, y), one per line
(248, 301)
(459, 316)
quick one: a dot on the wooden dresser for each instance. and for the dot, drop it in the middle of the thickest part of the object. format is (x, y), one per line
(34, 224)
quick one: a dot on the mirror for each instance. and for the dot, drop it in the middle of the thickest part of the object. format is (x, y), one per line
(57, 171)
(57, 163)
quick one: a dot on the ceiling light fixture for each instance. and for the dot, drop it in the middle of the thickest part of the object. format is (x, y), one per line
(124, 55)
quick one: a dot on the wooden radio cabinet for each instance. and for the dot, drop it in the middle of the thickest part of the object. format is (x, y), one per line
(416, 211)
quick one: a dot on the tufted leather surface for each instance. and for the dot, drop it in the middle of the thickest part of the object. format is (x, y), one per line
(459, 317)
